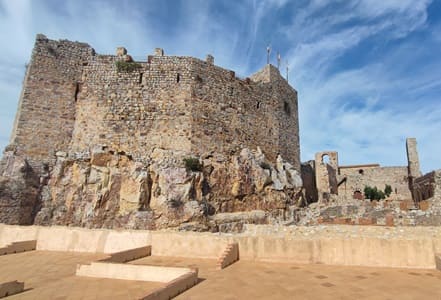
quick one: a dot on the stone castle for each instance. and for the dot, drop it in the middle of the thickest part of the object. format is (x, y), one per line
(74, 99)
(91, 129)
(177, 143)
(106, 141)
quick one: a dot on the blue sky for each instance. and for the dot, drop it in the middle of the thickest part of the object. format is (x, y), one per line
(368, 72)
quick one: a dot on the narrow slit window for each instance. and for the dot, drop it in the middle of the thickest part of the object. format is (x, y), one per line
(77, 91)
(178, 77)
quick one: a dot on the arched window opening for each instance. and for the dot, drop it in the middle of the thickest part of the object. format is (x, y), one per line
(77, 91)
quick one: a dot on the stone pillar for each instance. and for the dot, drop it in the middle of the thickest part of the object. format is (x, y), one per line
(326, 174)
(159, 52)
(413, 161)
(413, 164)
(210, 59)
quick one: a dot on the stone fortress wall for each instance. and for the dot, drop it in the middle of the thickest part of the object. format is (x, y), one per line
(133, 112)
(46, 112)
(358, 177)
(100, 141)
(260, 111)
(74, 99)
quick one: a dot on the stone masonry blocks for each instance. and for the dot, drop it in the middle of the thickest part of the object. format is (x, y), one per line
(74, 99)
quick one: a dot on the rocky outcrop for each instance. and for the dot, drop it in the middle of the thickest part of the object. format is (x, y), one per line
(110, 189)
(19, 190)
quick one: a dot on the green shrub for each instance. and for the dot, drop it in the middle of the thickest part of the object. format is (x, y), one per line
(192, 164)
(124, 66)
(373, 193)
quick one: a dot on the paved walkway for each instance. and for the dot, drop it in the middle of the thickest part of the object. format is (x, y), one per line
(258, 280)
(250, 280)
(51, 275)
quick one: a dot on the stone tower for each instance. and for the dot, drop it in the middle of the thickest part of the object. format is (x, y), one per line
(413, 163)
(412, 158)
(74, 99)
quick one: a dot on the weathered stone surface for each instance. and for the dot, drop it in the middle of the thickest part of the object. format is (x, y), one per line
(112, 190)
(19, 191)
(325, 178)
(113, 139)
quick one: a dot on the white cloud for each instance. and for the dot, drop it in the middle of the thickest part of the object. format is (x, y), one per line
(367, 112)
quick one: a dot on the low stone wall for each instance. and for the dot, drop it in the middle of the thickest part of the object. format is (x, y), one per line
(128, 255)
(131, 272)
(408, 247)
(11, 288)
(60, 238)
(174, 287)
(188, 244)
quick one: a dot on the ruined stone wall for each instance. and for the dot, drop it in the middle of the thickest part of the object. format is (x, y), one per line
(308, 179)
(412, 158)
(326, 166)
(135, 111)
(355, 169)
(396, 177)
(436, 200)
(428, 187)
(46, 114)
(424, 187)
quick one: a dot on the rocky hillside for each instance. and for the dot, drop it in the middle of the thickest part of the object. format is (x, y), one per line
(109, 189)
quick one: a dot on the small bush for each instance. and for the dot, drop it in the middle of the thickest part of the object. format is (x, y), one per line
(124, 66)
(192, 164)
(373, 193)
